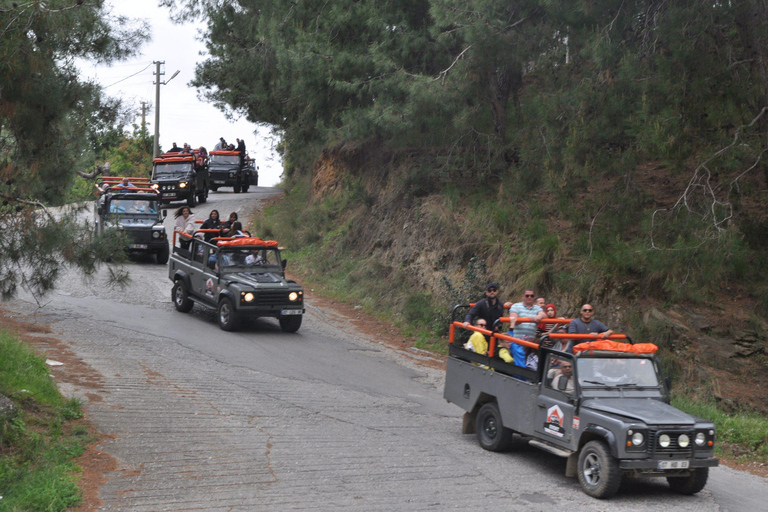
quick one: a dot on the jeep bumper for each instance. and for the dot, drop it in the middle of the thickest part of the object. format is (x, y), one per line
(653, 464)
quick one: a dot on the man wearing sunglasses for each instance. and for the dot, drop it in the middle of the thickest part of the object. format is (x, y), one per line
(524, 331)
(586, 324)
(490, 308)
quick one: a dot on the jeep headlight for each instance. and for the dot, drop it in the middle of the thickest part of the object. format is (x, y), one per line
(700, 439)
(664, 440)
(683, 441)
(638, 438)
(155, 234)
(182, 184)
(248, 297)
(155, 186)
(293, 296)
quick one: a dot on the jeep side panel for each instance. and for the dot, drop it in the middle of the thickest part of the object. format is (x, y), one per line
(468, 386)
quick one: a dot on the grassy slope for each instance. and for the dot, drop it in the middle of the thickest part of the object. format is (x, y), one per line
(39, 445)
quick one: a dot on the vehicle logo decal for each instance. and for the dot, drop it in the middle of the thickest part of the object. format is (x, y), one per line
(209, 287)
(554, 421)
(575, 423)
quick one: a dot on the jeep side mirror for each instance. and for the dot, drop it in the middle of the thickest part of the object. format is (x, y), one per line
(284, 263)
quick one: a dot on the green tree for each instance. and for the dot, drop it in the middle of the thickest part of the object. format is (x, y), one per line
(48, 118)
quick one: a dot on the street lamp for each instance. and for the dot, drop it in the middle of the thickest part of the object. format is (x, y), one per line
(158, 74)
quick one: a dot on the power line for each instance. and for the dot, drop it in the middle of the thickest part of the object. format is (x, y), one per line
(129, 76)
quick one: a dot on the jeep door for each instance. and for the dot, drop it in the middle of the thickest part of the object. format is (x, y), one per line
(209, 278)
(555, 421)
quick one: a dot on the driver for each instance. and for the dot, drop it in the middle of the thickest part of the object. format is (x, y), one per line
(613, 371)
(254, 258)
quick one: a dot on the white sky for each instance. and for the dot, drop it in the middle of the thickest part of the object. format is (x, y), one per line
(183, 117)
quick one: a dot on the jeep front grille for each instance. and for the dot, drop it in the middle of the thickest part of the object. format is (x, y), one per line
(272, 298)
(674, 449)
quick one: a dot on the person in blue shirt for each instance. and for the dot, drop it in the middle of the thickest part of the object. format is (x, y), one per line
(524, 331)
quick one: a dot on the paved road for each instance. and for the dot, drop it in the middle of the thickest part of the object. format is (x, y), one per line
(325, 419)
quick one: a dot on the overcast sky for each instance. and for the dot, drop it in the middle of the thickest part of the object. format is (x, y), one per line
(183, 118)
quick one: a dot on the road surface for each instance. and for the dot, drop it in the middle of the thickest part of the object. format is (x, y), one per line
(324, 419)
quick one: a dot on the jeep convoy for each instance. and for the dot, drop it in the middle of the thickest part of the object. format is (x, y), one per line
(181, 177)
(605, 408)
(228, 169)
(134, 209)
(237, 277)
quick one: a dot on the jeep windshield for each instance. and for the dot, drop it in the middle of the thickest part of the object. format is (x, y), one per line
(616, 373)
(134, 207)
(245, 259)
(171, 170)
(224, 160)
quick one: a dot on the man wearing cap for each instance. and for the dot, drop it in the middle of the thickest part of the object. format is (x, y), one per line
(489, 308)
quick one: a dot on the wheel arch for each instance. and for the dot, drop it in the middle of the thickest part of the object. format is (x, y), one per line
(181, 274)
(598, 433)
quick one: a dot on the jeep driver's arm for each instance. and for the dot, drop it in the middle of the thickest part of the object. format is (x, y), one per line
(606, 333)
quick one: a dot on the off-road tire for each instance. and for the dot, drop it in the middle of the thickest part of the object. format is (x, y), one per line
(203, 197)
(245, 188)
(236, 189)
(290, 323)
(690, 484)
(490, 431)
(227, 315)
(214, 188)
(162, 255)
(598, 472)
(192, 199)
(180, 298)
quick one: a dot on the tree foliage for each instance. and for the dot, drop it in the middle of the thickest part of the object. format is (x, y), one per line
(48, 119)
(532, 95)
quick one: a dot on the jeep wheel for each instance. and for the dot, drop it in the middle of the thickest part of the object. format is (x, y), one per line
(192, 199)
(228, 320)
(162, 255)
(690, 484)
(491, 434)
(598, 472)
(214, 188)
(245, 188)
(180, 298)
(290, 323)
(236, 189)
(203, 197)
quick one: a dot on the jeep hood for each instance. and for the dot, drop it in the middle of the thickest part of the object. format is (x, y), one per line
(138, 223)
(256, 279)
(651, 412)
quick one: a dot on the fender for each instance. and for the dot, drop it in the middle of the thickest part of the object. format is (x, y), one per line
(227, 293)
(181, 274)
(603, 433)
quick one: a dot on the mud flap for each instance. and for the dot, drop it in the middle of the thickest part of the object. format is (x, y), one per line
(468, 423)
(571, 465)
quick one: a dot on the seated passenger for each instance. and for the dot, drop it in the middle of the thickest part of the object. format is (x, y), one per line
(477, 342)
(532, 359)
(563, 379)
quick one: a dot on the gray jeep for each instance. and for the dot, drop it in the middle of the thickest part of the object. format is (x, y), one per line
(137, 213)
(608, 414)
(238, 278)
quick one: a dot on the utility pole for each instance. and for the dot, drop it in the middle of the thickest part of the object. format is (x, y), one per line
(143, 118)
(158, 74)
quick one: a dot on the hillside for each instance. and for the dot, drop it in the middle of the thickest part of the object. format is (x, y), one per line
(409, 257)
